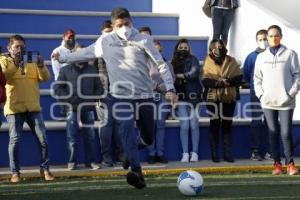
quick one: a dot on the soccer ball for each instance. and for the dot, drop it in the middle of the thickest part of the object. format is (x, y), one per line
(190, 183)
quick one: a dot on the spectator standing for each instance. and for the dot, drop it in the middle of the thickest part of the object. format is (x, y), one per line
(23, 103)
(278, 67)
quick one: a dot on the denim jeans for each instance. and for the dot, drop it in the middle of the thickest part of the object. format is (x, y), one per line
(128, 111)
(87, 118)
(163, 110)
(37, 126)
(221, 20)
(188, 120)
(109, 134)
(283, 128)
(259, 134)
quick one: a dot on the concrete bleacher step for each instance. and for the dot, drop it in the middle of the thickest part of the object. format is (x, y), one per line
(84, 5)
(83, 22)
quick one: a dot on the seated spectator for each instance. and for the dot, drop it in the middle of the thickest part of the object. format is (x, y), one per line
(23, 103)
(88, 86)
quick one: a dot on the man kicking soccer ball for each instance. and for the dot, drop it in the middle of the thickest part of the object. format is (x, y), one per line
(127, 53)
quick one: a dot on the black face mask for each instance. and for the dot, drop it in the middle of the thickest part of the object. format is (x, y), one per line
(182, 54)
(220, 52)
(70, 43)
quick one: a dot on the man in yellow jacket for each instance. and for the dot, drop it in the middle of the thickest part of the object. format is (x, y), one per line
(23, 103)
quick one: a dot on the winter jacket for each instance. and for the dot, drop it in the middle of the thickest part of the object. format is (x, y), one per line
(22, 90)
(90, 86)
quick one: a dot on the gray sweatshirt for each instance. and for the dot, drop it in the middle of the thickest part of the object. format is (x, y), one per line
(277, 78)
(127, 63)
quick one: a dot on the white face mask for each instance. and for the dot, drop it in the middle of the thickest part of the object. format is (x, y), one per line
(124, 32)
(263, 44)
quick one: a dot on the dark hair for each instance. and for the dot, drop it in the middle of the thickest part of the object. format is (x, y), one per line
(119, 13)
(145, 28)
(13, 38)
(176, 62)
(213, 43)
(261, 32)
(106, 24)
(275, 27)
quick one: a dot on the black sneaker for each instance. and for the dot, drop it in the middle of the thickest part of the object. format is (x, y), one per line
(126, 164)
(161, 159)
(255, 156)
(228, 159)
(151, 160)
(136, 180)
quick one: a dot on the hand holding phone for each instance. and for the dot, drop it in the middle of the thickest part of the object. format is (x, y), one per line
(40, 61)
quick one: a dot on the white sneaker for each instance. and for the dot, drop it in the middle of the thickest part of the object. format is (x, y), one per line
(185, 157)
(268, 156)
(194, 157)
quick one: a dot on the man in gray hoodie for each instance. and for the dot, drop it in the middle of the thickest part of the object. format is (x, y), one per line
(127, 54)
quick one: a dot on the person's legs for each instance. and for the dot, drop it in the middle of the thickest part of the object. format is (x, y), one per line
(152, 149)
(163, 113)
(183, 115)
(15, 123)
(227, 111)
(125, 116)
(88, 118)
(37, 126)
(214, 127)
(217, 21)
(256, 127)
(36, 123)
(72, 132)
(274, 132)
(286, 119)
(105, 135)
(145, 120)
(227, 20)
(194, 124)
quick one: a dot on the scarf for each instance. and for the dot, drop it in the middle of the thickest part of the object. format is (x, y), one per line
(229, 69)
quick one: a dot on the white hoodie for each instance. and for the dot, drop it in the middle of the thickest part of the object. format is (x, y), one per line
(277, 78)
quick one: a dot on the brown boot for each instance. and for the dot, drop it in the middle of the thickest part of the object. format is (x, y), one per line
(15, 178)
(47, 175)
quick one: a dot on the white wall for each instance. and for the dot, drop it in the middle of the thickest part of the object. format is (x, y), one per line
(250, 17)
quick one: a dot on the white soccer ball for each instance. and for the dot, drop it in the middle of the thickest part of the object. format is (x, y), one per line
(190, 183)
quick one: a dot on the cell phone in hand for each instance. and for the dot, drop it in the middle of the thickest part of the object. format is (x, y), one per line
(31, 57)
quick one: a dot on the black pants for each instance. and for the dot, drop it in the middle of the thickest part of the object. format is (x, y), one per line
(221, 117)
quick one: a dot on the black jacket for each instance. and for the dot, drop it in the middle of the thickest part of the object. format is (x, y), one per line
(189, 89)
(90, 86)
